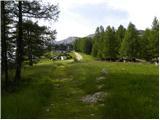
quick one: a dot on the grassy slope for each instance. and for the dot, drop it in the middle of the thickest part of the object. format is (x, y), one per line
(55, 90)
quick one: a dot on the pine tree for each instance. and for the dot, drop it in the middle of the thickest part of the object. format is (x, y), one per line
(30, 9)
(146, 45)
(110, 50)
(119, 37)
(130, 45)
(155, 37)
(96, 42)
(101, 42)
(33, 40)
(4, 42)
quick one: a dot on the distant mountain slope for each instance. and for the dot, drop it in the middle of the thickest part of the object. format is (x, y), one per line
(91, 35)
(70, 40)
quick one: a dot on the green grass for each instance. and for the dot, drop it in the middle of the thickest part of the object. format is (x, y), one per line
(54, 90)
(31, 96)
(50, 54)
(87, 58)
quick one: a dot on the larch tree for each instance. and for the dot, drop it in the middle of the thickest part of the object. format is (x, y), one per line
(33, 40)
(146, 45)
(110, 51)
(4, 42)
(155, 37)
(130, 45)
(96, 42)
(19, 42)
(119, 37)
(31, 9)
(101, 42)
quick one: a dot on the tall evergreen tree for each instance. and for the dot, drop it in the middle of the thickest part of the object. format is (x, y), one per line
(120, 36)
(155, 37)
(19, 51)
(130, 45)
(146, 45)
(33, 41)
(4, 42)
(96, 42)
(8, 38)
(31, 9)
(100, 42)
(110, 50)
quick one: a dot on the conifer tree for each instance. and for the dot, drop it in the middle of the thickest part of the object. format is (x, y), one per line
(130, 45)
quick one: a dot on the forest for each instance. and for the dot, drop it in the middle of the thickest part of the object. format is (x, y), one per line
(130, 43)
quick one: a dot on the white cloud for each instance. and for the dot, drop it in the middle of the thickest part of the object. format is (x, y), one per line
(140, 13)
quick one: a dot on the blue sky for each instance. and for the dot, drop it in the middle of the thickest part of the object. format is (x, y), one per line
(81, 17)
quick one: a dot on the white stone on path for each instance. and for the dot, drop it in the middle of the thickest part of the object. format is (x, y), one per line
(96, 97)
(104, 71)
(100, 78)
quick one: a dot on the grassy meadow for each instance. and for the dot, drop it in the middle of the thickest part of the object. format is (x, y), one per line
(54, 89)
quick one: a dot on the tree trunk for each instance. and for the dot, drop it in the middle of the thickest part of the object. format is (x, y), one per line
(29, 50)
(4, 44)
(19, 50)
(30, 56)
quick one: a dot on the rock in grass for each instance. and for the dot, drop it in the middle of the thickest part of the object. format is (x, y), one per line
(100, 78)
(104, 71)
(96, 97)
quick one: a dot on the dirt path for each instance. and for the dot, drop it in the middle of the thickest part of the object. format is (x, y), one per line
(78, 56)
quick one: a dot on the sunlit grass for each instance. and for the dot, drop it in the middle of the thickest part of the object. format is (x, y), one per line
(55, 89)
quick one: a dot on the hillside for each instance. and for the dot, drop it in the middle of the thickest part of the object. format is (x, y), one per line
(70, 40)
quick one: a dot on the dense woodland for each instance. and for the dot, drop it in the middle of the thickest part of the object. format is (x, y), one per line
(23, 39)
(130, 43)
